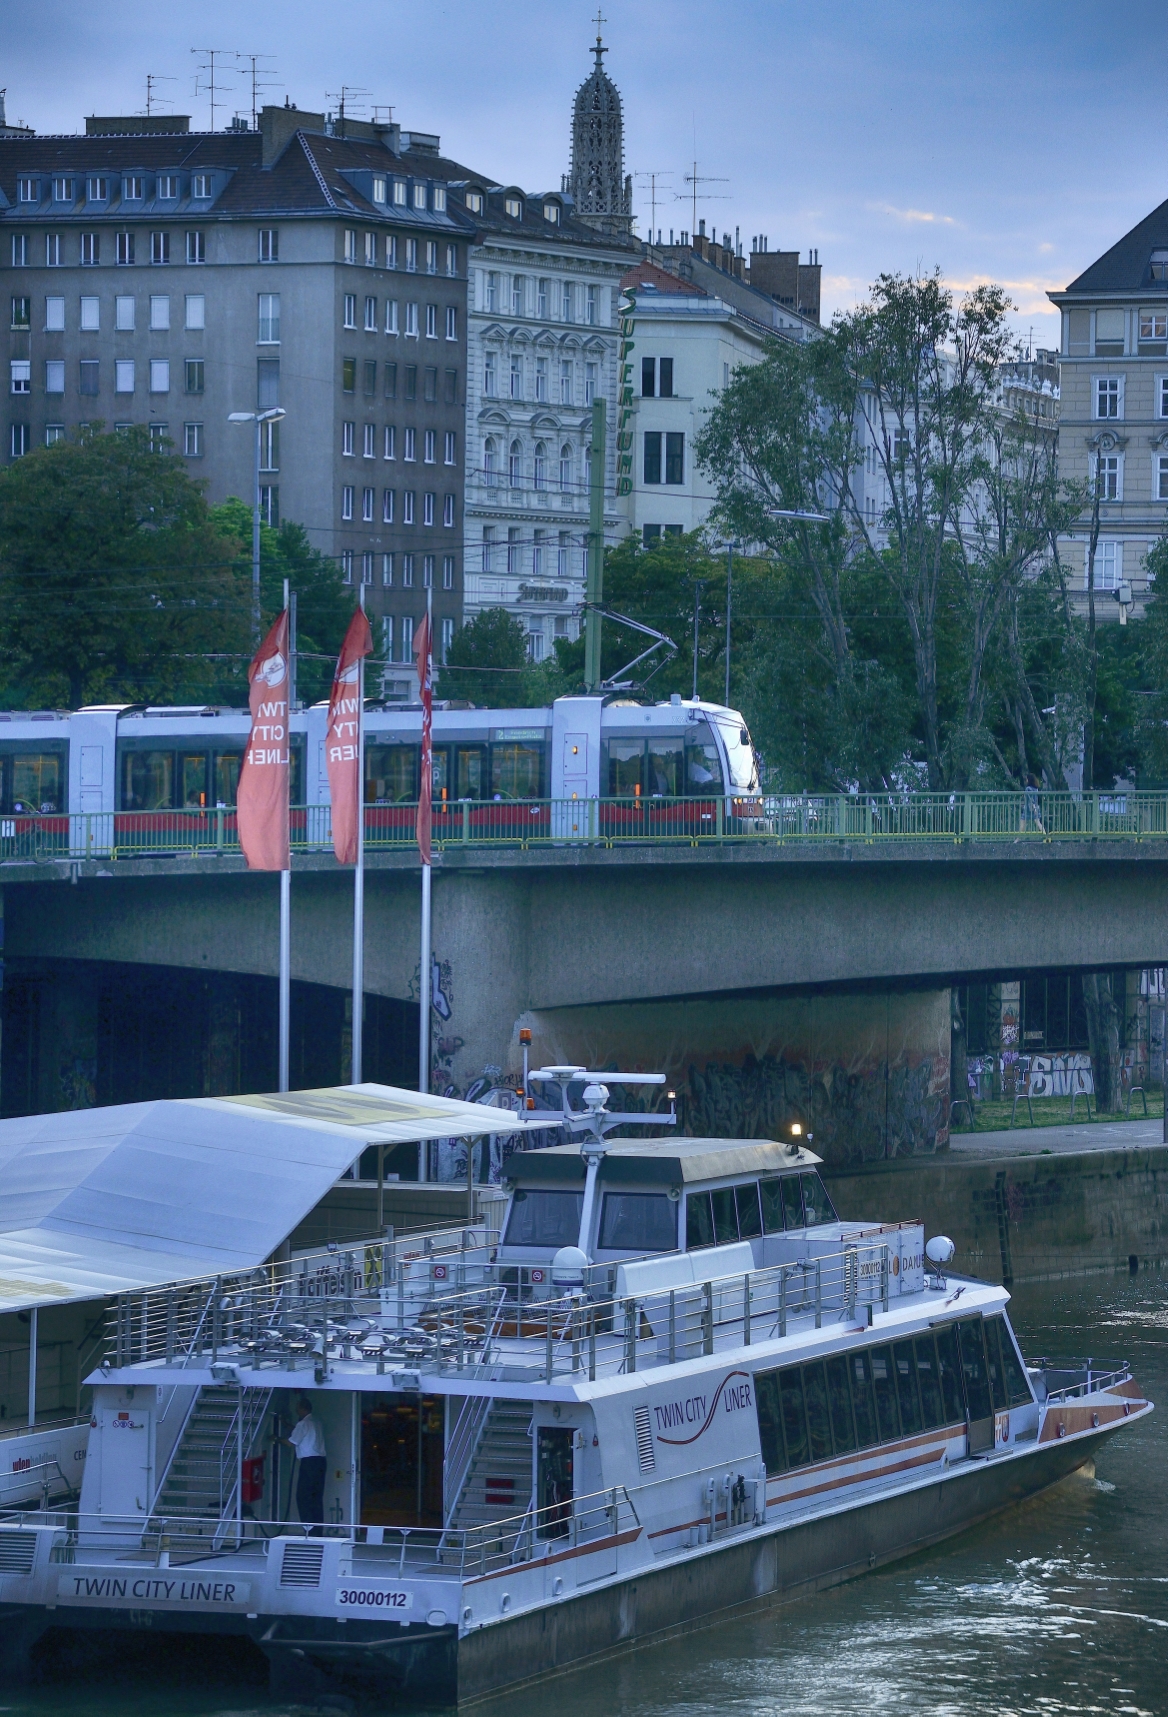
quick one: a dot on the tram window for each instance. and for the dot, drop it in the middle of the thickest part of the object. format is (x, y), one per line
(792, 1202)
(665, 772)
(884, 1388)
(818, 1422)
(391, 774)
(725, 1217)
(147, 780)
(906, 1388)
(929, 1382)
(749, 1216)
(36, 782)
(974, 1368)
(948, 1360)
(699, 1224)
(864, 1400)
(794, 1419)
(637, 1222)
(626, 759)
(770, 1424)
(469, 774)
(1017, 1382)
(703, 769)
(516, 771)
(840, 1405)
(194, 779)
(439, 772)
(227, 767)
(772, 1205)
(998, 1388)
(549, 1219)
(816, 1204)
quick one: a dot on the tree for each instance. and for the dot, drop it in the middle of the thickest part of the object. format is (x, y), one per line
(116, 584)
(487, 664)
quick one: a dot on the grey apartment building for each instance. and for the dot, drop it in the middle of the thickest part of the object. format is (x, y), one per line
(167, 278)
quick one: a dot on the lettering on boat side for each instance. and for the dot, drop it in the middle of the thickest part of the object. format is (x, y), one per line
(733, 1394)
(153, 1588)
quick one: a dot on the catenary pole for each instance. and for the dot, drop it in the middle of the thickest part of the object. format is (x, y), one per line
(595, 583)
(285, 905)
(356, 1072)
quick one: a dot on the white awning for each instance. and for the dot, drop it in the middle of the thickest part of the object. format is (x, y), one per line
(95, 1201)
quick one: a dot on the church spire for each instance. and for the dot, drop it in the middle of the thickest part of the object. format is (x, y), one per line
(596, 179)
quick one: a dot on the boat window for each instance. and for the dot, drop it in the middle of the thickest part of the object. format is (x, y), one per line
(725, 1216)
(792, 1202)
(625, 760)
(816, 1204)
(794, 1420)
(1017, 1382)
(864, 1400)
(840, 1404)
(772, 1205)
(949, 1362)
(998, 1344)
(749, 1215)
(699, 1224)
(539, 1218)
(516, 770)
(906, 1388)
(770, 1427)
(638, 1222)
(818, 1422)
(703, 769)
(884, 1386)
(469, 775)
(975, 1369)
(391, 774)
(929, 1382)
(35, 783)
(665, 772)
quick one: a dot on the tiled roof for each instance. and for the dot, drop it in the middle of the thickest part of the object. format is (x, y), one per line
(1126, 267)
(649, 274)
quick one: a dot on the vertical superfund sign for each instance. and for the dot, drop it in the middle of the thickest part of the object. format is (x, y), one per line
(263, 780)
(343, 742)
(624, 431)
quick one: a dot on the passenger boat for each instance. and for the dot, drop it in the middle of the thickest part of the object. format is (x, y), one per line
(673, 1385)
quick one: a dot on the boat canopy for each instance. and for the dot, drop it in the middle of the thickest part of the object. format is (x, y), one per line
(667, 1161)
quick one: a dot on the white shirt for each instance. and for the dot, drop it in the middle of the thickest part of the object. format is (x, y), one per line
(307, 1438)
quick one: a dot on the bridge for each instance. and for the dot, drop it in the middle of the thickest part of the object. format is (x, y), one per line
(812, 941)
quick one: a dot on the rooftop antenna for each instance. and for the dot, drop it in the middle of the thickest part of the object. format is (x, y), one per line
(695, 179)
(208, 68)
(653, 177)
(153, 78)
(344, 98)
(261, 79)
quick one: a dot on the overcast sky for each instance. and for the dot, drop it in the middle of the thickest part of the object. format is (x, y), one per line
(1011, 140)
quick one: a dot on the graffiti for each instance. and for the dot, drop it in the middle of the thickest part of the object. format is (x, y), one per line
(78, 1082)
(1059, 1075)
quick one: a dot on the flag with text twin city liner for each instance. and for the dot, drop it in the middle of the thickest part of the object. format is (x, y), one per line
(426, 685)
(263, 780)
(343, 741)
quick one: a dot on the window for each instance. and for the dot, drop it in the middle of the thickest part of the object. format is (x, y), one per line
(369, 447)
(652, 466)
(474, 202)
(1109, 333)
(370, 250)
(539, 540)
(378, 188)
(674, 458)
(387, 580)
(124, 249)
(88, 382)
(410, 449)
(348, 375)
(348, 433)
(565, 381)
(350, 246)
(666, 372)
(648, 377)
(371, 315)
(160, 314)
(269, 318)
(566, 301)
(195, 379)
(124, 314)
(27, 190)
(451, 258)
(411, 321)
(90, 250)
(515, 465)
(347, 560)
(267, 383)
(160, 247)
(370, 373)
(427, 572)
(411, 382)
(490, 463)
(592, 312)
(97, 188)
(490, 375)
(428, 509)
(407, 625)
(196, 310)
(450, 387)
(391, 315)
(1162, 396)
(431, 256)
(448, 511)
(419, 196)
(387, 507)
(516, 378)
(54, 432)
(540, 465)
(590, 375)
(1153, 325)
(123, 375)
(22, 312)
(367, 497)
(193, 440)
(447, 625)
(408, 507)
(513, 549)
(429, 451)
(347, 501)
(167, 189)
(1108, 565)
(450, 447)
(21, 375)
(431, 321)
(349, 319)
(562, 561)
(52, 250)
(492, 291)
(62, 190)
(1108, 396)
(488, 546)
(196, 247)
(518, 294)
(513, 206)
(541, 378)
(390, 442)
(399, 193)
(270, 505)
(367, 567)
(1109, 476)
(1160, 488)
(1159, 265)
(411, 256)
(19, 439)
(160, 375)
(565, 469)
(54, 315)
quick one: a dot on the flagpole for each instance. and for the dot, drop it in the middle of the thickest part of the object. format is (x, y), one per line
(424, 998)
(355, 1070)
(286, 901)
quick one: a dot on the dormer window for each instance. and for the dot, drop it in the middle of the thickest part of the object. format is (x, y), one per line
(27, 191)
(62, 190)
(378, 188)
(200, 185)
(551, 212)
(132, 188)
(419, 196)
(97, 188)
(513, 207)
(1160, 265)
(474, 202)
(399, 193)
(168, 186)
(440, 199)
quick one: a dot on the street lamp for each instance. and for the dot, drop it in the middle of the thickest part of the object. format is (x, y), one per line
(259, 418)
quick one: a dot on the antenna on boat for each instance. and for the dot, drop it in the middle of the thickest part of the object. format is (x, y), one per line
(596, 1118)
(939, 1251)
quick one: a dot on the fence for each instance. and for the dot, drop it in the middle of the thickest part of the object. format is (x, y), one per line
(1016, 818)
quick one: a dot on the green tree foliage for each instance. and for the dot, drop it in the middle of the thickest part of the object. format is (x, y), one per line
(116, 583)
(1152, 642)
(487, 665)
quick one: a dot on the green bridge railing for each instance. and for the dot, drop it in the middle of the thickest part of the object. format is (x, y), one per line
(1014, 819)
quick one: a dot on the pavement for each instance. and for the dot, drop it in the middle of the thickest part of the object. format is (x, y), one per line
(1022, 1141)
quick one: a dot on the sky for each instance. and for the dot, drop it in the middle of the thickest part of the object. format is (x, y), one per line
(1005, 140)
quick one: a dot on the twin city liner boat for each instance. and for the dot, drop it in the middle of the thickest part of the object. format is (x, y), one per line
(674, 1383)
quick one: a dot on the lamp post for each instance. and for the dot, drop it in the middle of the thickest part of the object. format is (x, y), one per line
(259, 418)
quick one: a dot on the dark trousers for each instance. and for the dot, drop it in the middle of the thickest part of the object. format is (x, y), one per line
(310, 1490)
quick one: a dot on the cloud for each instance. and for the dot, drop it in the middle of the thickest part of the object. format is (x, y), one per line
(1029, 296)
(912, 216)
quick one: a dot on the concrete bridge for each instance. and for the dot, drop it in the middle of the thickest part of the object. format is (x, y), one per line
(760, 972)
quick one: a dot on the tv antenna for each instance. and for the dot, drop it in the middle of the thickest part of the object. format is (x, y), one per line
(695, 179)
(652, 178)
(344, 98)
(152, 99)
(261, 80)
(207, 70)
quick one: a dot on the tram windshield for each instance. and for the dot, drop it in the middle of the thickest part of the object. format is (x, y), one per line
(739, 755)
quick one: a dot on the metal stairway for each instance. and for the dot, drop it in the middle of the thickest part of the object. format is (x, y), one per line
(498, 1480)
(202, 1479)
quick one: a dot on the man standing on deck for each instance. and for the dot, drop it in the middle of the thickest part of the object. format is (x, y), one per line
(307, 1439)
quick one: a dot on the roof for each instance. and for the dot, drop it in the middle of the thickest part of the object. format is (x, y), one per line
(649, 274)
(1126, 267)
(97, 1201)
(670, 1161)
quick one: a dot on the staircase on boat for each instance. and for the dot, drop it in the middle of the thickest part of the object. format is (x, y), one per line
(202, 1480)
(497, 1486)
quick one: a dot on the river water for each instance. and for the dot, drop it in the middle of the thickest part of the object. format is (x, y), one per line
(1058, 1606)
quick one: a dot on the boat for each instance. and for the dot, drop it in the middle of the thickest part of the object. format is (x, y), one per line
(672, 1384)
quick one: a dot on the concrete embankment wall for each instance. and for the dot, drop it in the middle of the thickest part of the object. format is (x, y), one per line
(1025, 1218)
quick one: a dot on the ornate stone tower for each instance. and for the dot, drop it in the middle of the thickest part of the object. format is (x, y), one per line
(596, 179)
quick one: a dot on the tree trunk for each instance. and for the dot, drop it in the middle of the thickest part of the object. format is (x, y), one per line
(1103, 1025)
(958, 1056)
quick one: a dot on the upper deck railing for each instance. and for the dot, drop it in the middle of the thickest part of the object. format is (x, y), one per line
(1017, 819)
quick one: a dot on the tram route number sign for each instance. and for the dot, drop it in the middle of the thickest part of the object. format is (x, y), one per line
(374, 1600)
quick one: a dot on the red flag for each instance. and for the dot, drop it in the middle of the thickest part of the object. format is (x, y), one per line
(263, 780)
(425, 683)
(343, 740)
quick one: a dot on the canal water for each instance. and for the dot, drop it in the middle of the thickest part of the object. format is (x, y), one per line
(1058, 1606)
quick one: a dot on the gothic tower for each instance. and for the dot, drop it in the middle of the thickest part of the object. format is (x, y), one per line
(596, 179)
